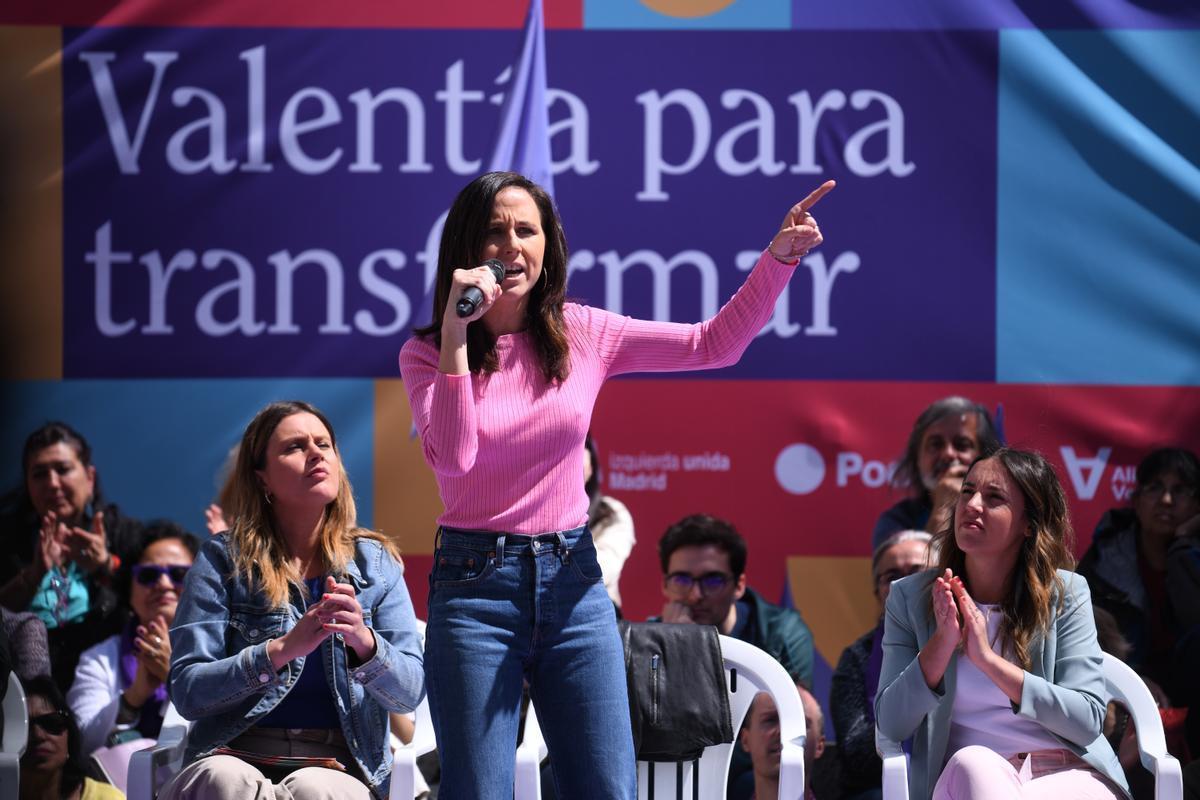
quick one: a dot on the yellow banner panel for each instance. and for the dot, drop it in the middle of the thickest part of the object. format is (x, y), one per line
(31, 227)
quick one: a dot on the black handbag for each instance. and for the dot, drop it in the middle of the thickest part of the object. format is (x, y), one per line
(678, 702)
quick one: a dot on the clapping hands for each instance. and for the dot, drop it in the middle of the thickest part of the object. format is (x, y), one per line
(959, 619)
(336, 611)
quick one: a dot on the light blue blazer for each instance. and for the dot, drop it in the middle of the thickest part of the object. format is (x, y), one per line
(1063, 690)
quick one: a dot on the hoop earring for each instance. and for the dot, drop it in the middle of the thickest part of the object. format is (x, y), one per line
(267, 496)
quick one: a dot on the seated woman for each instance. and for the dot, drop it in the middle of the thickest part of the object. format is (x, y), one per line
(120, 690)
(295, 635)
(52, 767)
(990, 661)
(62, 546)
(852, 693)
(1126, 566)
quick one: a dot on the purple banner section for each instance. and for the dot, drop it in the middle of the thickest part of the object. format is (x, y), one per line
(266, 203)
(994, 14)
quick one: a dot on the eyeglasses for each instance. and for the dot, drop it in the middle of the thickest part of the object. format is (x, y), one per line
(681, 583)
(55, 723)
(1156, 489)
(149, 574)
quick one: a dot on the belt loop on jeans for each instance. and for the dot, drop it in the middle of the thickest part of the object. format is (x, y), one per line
(562, 547)
(500, 550)
(437, 538)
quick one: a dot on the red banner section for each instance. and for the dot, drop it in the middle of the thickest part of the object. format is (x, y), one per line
(802, 468)
(477, 14)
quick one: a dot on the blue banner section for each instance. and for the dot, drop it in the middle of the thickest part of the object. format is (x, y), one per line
(1099, 208)
(160, 447)
(266, 203)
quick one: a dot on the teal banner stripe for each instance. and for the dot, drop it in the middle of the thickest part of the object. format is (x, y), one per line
(1098, 228)
(160, 446)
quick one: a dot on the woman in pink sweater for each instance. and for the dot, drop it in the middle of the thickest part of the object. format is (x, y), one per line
(503, 399)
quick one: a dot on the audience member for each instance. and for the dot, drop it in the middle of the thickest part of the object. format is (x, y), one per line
(52, 767)
(760, 738)
(990, 661)
(609, 521)
(704, 564)
(1183, 590)
(947, 436)
(294, 636)
(27, 644)
(1127, 564)
(120, 691)
(856, 679)
(63, 544)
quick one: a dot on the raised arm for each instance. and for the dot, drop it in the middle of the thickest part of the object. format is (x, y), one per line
(906, 692)
(629, 345)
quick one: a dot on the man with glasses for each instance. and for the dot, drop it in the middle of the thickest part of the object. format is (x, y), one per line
(704, 582)
(704, 562)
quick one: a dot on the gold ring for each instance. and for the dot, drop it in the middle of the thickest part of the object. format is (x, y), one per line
(158, 640)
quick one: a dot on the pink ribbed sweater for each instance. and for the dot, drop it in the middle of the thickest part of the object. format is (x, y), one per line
(507, 448)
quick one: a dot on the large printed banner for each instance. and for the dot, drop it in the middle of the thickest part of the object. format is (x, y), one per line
(206, 207)
(255, 202)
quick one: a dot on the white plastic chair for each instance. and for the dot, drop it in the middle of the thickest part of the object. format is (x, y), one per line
(748, 671)
(404, 763)
(151, 768)
(1125, 687)
(16, 736)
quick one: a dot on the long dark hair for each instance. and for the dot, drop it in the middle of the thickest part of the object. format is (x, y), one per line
(463, 238)
(75, 769)
(1047, 548)
(17, 514)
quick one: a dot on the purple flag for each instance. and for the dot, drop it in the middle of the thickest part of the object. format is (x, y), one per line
(523, 142)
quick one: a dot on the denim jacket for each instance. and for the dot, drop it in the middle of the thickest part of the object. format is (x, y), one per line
(222, 678)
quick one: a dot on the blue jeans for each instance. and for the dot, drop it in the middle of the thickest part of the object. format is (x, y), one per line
(504, 608)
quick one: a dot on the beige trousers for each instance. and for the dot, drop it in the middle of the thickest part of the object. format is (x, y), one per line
(225, 777)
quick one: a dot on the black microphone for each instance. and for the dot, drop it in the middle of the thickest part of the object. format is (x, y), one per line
(473, 296)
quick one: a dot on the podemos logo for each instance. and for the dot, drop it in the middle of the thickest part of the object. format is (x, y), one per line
(800, 469)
